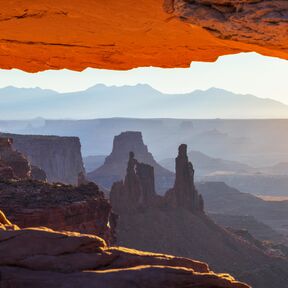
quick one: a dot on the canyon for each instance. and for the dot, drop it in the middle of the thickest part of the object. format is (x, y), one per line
(177, 224)
(123, 35)
(180, 212)
(71, 258)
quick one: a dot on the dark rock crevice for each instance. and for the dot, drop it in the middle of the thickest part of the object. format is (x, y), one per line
(261, 22)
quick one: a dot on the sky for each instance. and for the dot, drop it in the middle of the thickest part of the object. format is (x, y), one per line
(244, 73)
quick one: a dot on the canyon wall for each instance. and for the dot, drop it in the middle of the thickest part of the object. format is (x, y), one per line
(59, 157)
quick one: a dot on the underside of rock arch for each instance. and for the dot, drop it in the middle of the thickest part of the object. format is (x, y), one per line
(48, 34)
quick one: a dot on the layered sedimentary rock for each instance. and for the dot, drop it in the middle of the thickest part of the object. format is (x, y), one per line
(62, 207)
(114, 167)
(58, 259)
(176, 224)
(59, 157)
(98, 33)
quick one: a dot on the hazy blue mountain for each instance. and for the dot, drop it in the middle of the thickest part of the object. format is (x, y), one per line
(141, 101)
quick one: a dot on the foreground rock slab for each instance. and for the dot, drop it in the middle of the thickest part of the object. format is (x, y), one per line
(65, 259)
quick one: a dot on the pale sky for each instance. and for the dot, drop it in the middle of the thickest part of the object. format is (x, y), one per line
(248, 73)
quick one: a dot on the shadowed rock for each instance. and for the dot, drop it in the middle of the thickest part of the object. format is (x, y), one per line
(137, 190)
(184, 193)
(6, 172)
(176, 224)
(261, 22)
(114, 167)
(14, 159)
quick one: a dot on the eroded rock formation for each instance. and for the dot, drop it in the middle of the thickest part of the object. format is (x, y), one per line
(62, 207)
(176, 224)
(59, 157)
(58, 259)
(184, 193)
(114, 167)
(98, 33)
(137, 191)
(14, 159)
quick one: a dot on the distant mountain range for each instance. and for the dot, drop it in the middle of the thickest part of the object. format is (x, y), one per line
(141, 101)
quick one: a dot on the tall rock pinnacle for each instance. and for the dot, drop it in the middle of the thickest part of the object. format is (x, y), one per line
(184, 193)
(138, 188)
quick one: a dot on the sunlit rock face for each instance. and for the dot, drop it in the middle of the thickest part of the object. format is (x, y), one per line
(41, 257)
(48, 34)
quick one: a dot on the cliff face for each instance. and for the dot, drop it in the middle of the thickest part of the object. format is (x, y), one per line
(176, 224)
(57, 259)
(82, 209)
(59, 157)
(6, 172)
(115, 164)
(98, 34)
(14, 159)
